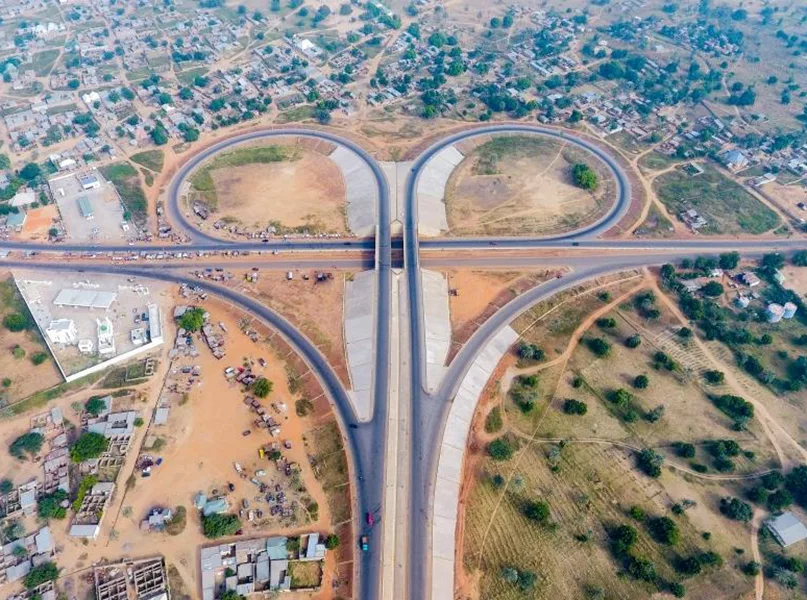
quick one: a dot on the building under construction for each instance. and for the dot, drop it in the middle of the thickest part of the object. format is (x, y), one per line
(143, 579)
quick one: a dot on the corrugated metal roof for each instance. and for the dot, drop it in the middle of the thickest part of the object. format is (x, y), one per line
(85, 298)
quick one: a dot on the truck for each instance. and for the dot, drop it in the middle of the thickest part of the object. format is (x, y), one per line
(365, 543)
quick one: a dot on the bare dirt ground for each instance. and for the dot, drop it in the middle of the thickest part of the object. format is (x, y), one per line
(22, 377)
(39, 221)
(521, 185)
(308, 192)
(482, 293)
(316, 308)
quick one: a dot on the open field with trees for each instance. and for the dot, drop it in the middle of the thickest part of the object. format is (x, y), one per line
(727, 207)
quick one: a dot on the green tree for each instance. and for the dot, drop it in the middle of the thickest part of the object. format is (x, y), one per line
(664, 530)
(650, 462)
(500, 449)
(262, 387)
(736, 509)
(30, 171)
(712, 289)
(40, 574)
(599, 347)
(88, 445)
(640, 382)
(192, 319)
(50, 505)
(574, 407)
(714, 377)
(95, 406)
(633, 341)
(39, 357)
(16, 322)
(332, 541)
(6, 485)
(537, 511)
(5, 161)
(729, 260)
(28, 443)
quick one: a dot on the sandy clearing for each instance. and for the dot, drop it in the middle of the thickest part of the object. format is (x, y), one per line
(39, 221)
(305, 193)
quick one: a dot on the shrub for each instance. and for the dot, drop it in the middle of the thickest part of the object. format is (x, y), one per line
(537, 511)
(215, 525)
(88, 445)
(18, 352)
(6, 485)
(28, 443)
(640, 382)
(684, 449)
(40, 574)
(664, 530)
(530, 352)
(138, 422)
(654, 415)
(637, 512)
(574, 407)
(16, 322)
(50, 505)
(714, 377)
(39, 357)
(685, 333)
(500, 449)
(650, 462)
(633, 341)
(641, 568)
(698, 467)
(493, 421)
(332, 541)
(606, 322)
(599, 347)
(736, 509)
(262, 387)
(178, 521)
(677, 589)
(758, 494)
(751, 568)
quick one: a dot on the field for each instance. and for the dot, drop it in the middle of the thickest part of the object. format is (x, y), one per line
(151, 159)
(289, 187)
(585, 467)
(124, 177)
(725, 205)
(523, 185)
(19, 377)
(43, 62)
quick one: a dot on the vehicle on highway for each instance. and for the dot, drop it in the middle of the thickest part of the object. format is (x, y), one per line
(365, 543)
(370, 519)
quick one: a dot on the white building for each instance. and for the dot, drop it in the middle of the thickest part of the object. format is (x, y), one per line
(62, 331)
(106, 337)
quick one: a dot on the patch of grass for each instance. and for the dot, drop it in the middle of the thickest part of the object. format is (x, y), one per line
(151, 159)
(43, 62)
(296, 114)
(656, 161)
(39, 399)
(515, 147)
(124, 177)
(187, 77)
(305, 574)
(726, 205)
(178, 521)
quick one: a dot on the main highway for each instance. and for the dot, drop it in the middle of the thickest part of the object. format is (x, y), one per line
(587, 254)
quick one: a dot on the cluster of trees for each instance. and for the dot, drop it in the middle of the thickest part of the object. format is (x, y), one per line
(88, 445)
(220, 525)
(735, 407)
(28, 443)
(650, 462)
(524, 392)
(623, 543)
(584, 177)
(192, 319)
(736, 509)
(574, 407)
